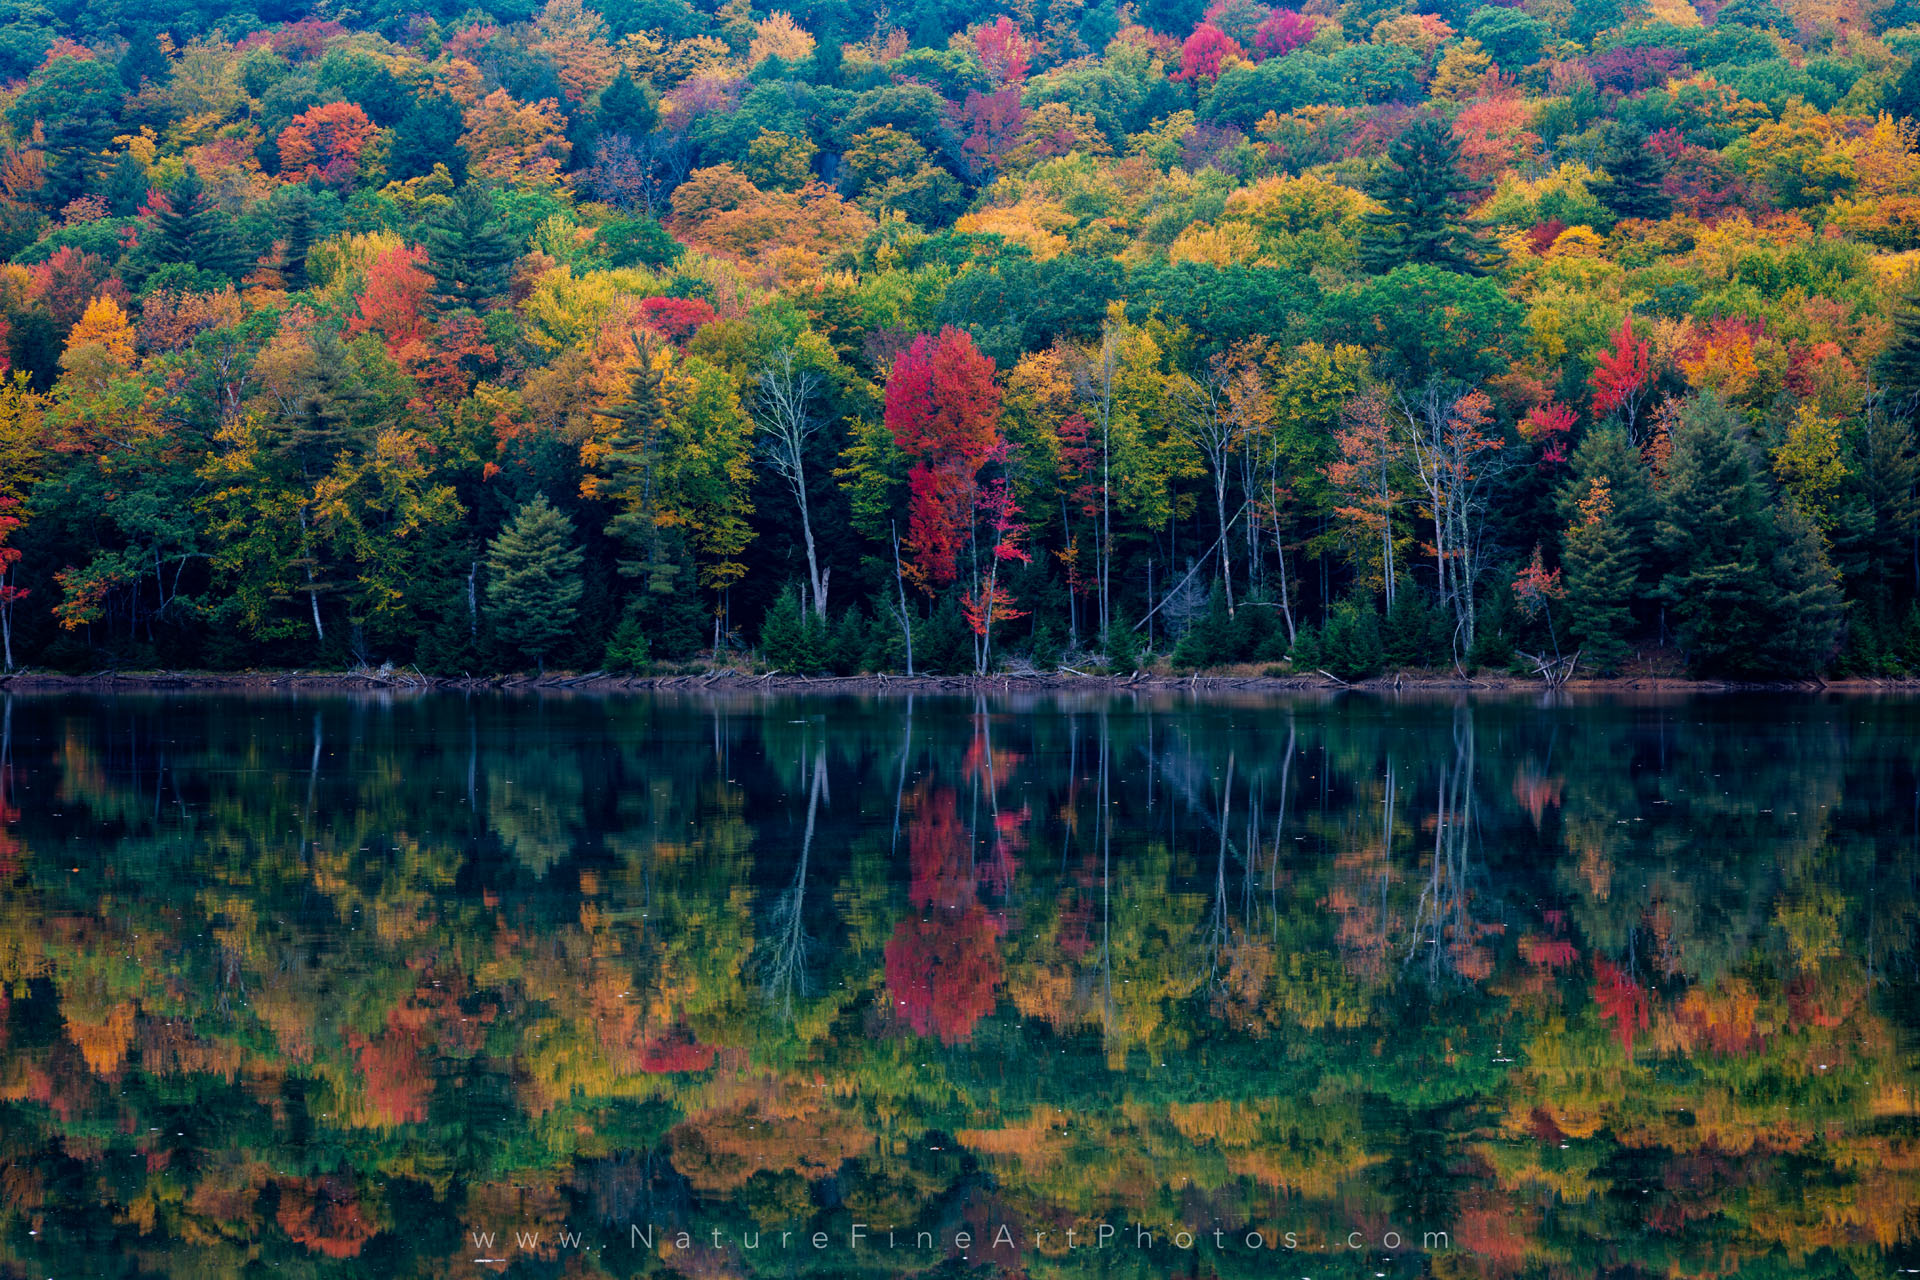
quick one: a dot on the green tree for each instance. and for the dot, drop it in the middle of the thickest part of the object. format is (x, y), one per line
(1424, 222)
(75, 102)
(1751, 589)
(1635, 172)
(533, 579)
(192, 231)
(468, 251)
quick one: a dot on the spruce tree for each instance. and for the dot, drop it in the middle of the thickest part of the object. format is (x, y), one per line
(1635, 172)
(193, 231)
(468, 251)
(629, 468)
(1900, 363)
(1425, 221)
(626, 106)
(1602, 566)
(1751, 587)
(1613, 567)
(533, 580)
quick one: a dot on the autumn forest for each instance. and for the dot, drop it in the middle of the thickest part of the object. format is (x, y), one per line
(1558, 335)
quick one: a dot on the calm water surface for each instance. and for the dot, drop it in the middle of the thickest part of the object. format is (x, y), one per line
(447, 986)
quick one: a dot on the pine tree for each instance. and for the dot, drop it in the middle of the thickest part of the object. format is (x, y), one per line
(630, 468)
(191, 230)
(1634, 175)
(1751, 588)
(533, 580)
(627, 107)
(1611, 562)
(1424, 220)
(1808, 610)
(296, 235)
(427, 135)
(1900, 363)
(1602, 565)
(468, 251)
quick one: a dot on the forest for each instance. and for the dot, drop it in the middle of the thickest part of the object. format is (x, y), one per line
(1559, 335)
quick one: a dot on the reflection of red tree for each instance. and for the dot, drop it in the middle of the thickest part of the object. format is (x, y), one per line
(1622, 1001)
(1547, 953)
(394, 1062)
(940, 854)
(943, 971)
(324, 1215)
(676, 1052)
(398, 1084)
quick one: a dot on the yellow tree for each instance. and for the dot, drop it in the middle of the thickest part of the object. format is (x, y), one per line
(512, 141)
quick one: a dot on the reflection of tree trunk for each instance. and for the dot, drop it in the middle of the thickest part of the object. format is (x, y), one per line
(785, 968)
(1106, 894)
(1443, 922)
(313, 784)
(1216, 935)
(1280, 827)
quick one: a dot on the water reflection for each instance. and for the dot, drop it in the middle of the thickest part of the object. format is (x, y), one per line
(1023, 987)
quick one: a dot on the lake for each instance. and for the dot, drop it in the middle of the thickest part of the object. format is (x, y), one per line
(1043, 986)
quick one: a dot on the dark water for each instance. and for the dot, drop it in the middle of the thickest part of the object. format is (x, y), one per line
(447, 986)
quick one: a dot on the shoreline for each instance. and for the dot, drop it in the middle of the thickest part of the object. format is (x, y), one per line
(736, 681)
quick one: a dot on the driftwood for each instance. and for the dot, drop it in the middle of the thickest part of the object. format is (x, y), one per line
(1556, 670)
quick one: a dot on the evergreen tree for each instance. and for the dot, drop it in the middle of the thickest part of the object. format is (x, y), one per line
(1900, 362)
(144, 60)
(295, 231)
(193, 232)
(468, 251)
(75, 102)
(427, 135)
(627, 106)
(1425, 220)
(1609, 508)
(1808, 608)
(1902, 97)
(1602, 565)
(1751, 589)
(125, 189)
(630, 469)
(1635, 172)
(533, 580)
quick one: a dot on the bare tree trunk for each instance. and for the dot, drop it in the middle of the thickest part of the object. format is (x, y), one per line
(900, 583)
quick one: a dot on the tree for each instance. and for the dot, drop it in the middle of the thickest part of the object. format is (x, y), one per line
(1424, 221)
(1636, 175)
(324, 144)
(1900, 362)
(11, 592)
(783, 412)
(943, 408)
(1751, 588)
(512, 141)
(190, 229)
(1206, 53)
(1602, 566)
(533, 579)
(1609, 509)
(1622, 379)
(468, 251)
(73, 101)
(1365, 475)
(1218, 411)
(1455, 456)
